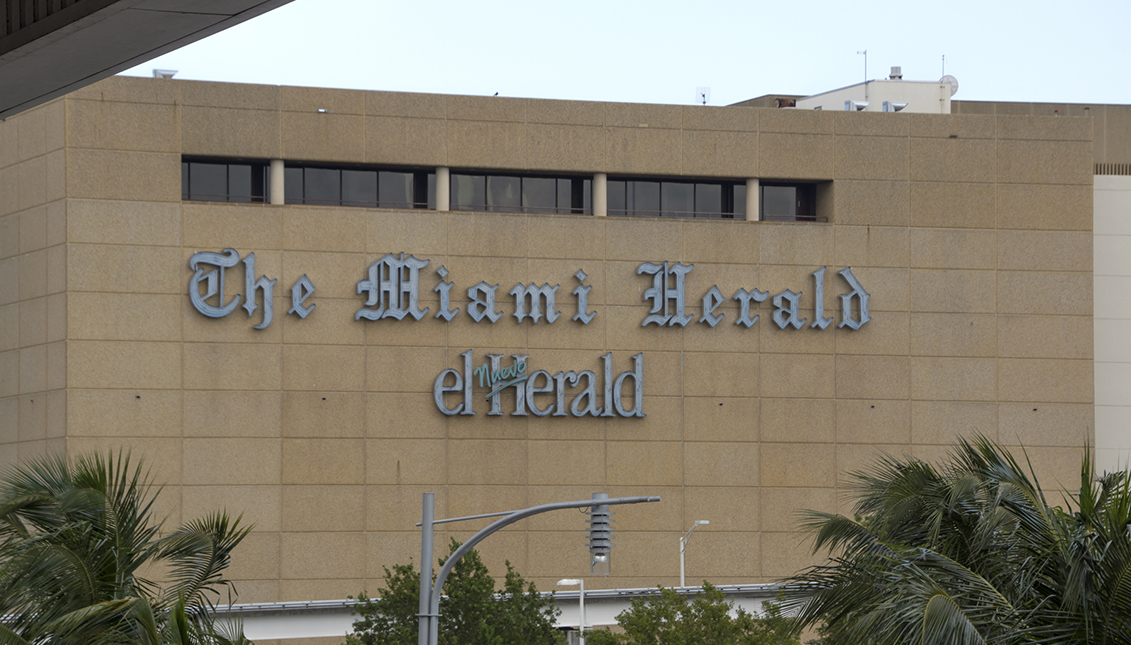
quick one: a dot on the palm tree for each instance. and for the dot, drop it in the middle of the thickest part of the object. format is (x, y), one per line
(971, 552)
(76, 542)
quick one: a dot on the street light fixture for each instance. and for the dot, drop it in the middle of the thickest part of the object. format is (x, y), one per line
(569, 582)
(683, 547)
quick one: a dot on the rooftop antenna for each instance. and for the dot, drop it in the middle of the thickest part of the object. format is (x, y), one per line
(865, 52)
(702, 95)
(944, 64)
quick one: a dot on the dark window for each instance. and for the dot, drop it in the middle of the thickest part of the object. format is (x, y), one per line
(395, 189)
(738, 201)
(789, 202)
(322, 186)
(468, 192)
(511, 194)
(364, 187)
(647, 198)
(359, 188)
(540, 194)
(223, 182)
(292, 185)
(504, 194)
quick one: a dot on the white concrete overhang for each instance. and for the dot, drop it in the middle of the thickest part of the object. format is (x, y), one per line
(51, 47)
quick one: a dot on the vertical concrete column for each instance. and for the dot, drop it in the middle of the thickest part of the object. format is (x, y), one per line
(276, 182)
(752, 194)
(443, 189)
(600, 194)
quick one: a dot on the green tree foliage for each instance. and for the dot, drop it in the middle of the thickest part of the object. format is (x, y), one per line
(470, 612)
(671, 618)
(971, 552)
(76, 542)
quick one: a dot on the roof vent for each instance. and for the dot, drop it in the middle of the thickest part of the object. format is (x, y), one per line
(894, 106)
(896, 74)
(855, 106)
(164, 73)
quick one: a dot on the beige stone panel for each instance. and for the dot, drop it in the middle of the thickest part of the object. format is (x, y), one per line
(638, 240)
(129, 269)
(234, 95)
(482, 425)
(1044, 251)
(806, 340)
(334, 275)
(28, 450)
(791, 375)
(486, 144)
(942, 422)
(31, 132)
(643, 150)
(1044, 128)
(222, 461)
(315, 99)
(56, 269)
(1051, 380)
(1045, 207)
(1045, 337)
(257, 559)
(324, 229)
(720, 374)
(218, 413)
(145, 127)
(640, 463)
(129, 89)
(852, 458)
(258, 505)
(567, 334)
(237, 327)
(886, 334)
(388, 548)
(871, 246)
(324, 461)
(872, 377)
(56, 366)
(110, 364)
(953, 379)
(323, 508)
(720, 419)
(943, 126)
(9, 143)
(298, 590)
(406, 461)
(10, 190)
(403, 369)
(213, 227)
(889, 288)
(873, 421)
(624, 331)
(432, 106)
(9, 373)
(783, 508)
(797, 156)
(953, 160)
(726, 508)
(797, 121)
(1046, 424)
(875, 124)
(130, 176)
(398, 508)
(33, 182)
(33, 417)
(576, 463)
(10, 275)
(10, 326)
(231, 366)
(56, 223)
(496, 552)
(331, 322)
(423, 234)
(428, 332)
(127, 222)
(933, 248)
(498, 462)
(953, 204)
(721, 241)
(1044, 162)
(32, 229)
(798, 465)
(871, 157)
(406, 140)
(711, 463)
(56, 414)
(954, 335)
(486, 235)
(486, 108)
(322, 137)
(733, 154)
(954, 291)
(9, 420)
(804, 244)
(564, 147)
(394, 415)
(10, 234)
(161, 456)
(123, 316)
(716, 554)
(797, 420)
(323, 555)
(118, 413)
(32, 325)
(1056, 468)
(323, 368)
(570, 238)
(727, 277)
(871, 203)
(727, 336)
(323, 414)
(662, 422)
(1044, 293)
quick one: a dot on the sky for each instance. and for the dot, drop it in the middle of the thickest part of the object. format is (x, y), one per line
(661, 52)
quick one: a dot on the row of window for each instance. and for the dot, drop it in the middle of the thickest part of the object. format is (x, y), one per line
(394, 188)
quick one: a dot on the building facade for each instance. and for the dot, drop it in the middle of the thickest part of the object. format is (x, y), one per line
(289, 301)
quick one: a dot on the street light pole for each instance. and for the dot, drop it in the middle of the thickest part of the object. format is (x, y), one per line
(571, 582)
(683, 547)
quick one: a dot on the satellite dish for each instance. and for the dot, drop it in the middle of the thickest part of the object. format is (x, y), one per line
(953, 83)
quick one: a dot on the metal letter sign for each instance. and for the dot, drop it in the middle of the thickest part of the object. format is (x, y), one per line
(213, 283)
(667, 301)
(393, 286)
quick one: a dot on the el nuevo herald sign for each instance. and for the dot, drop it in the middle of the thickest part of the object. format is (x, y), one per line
(392, 290)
